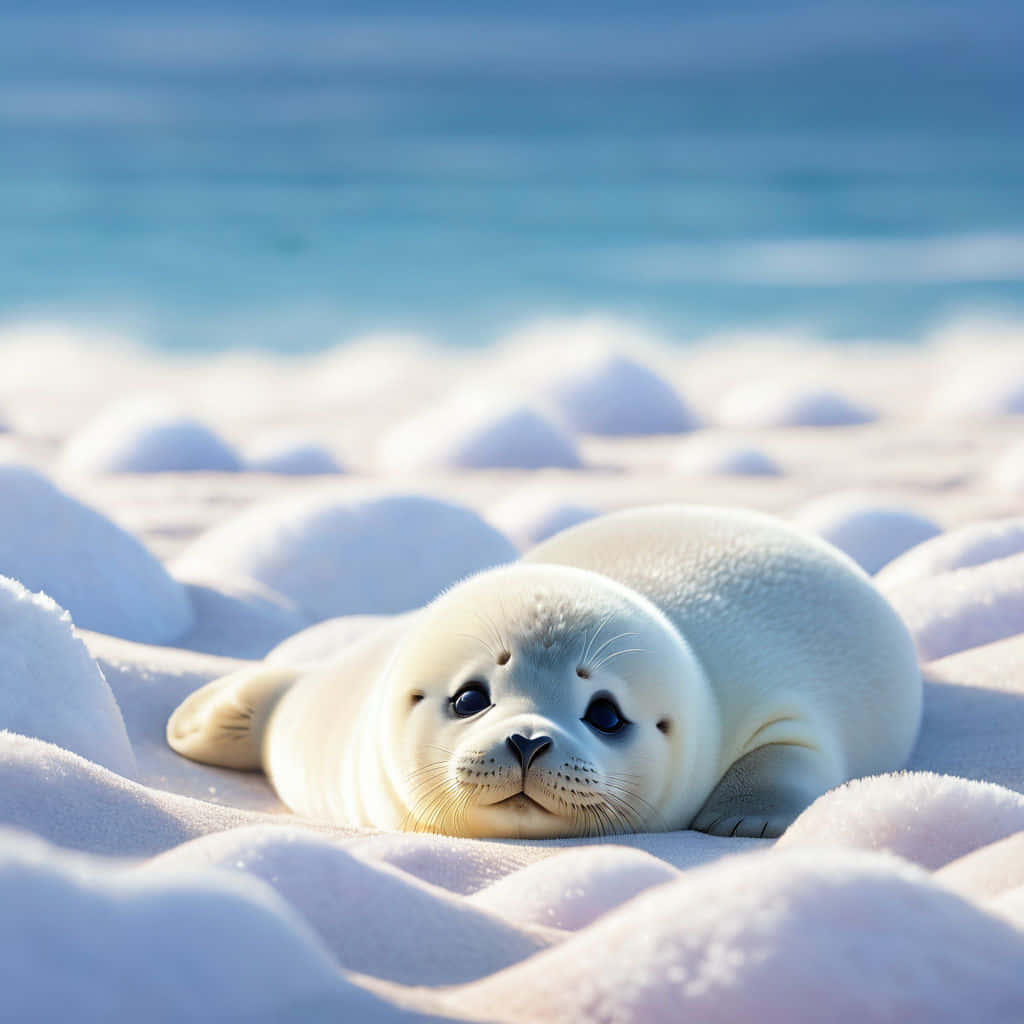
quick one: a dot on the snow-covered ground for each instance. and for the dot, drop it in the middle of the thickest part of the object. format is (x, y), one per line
(189, 513)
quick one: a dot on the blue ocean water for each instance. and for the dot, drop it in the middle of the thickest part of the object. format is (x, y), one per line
(261, 174)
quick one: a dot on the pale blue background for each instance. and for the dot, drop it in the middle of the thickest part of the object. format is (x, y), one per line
(282, 175)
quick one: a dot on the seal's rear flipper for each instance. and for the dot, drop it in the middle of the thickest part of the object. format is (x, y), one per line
(223, 722)
(764, 791)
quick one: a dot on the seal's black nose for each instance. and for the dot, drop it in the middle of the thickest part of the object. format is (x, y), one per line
(527, 749)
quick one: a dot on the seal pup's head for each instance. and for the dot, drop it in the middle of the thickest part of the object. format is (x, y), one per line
(536, 701)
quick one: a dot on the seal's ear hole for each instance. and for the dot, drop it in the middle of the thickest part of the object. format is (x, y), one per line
(503, 658)
(416, 696)
(664, 725)
(583, 673)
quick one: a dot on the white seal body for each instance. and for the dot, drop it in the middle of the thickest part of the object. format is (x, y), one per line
(647, 670)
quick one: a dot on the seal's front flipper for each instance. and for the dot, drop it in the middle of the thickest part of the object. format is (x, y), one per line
(223, 722)
(764, 791)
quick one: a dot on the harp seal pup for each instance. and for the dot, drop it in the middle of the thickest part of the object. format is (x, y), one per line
(654, 669)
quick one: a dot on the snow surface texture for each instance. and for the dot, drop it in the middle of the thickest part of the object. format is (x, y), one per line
(144, 436)
(52, 688)
(964, 608)
(137, 885)
(100, 573)
(971, 545)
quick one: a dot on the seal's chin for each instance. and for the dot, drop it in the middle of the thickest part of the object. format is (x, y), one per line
(521, 803)
(518, 816)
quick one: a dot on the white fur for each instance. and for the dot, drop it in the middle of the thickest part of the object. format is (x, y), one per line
(782, 622)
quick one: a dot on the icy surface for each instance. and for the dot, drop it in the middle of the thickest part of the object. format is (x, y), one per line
(177, 891)
(100, 573)
(334, 556)
(146, 436)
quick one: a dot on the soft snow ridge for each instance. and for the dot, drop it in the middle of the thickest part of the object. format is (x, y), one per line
(478, 435)
(142, 436)
(52, 688)
(97, 571)
(871, 534)
(614, 394)
(333, 555)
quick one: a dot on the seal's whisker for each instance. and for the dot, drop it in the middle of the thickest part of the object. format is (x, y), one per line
(437, 746)
(494, 631)
(419, 787)
(593, 639)
(505, 643)
(483, 643)
(611, 640)
(618, 654)
(432, 811)
(420, 803)
(625, 812)
(629, 797)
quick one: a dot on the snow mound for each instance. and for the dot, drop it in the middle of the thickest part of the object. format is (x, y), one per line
(372, 917)
(616, 395)
(84, 939)
(1010, 905)
(963, 609)
(461, 866)
(927, 818)
(871, 534)
(966, 546)
(294, 456)
(777, 942)
(326, 639)
(988, 871)
(104, 577)
(336, 555)
(79, 805)
(571, 890)
(788, 403)
(52, 689)
(714, 455)
(476, 435)
(980, 383)
(238, 618)
(531, 515)
(142, 436)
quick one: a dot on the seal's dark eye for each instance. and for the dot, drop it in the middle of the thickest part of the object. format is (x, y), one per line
(471, 700)
(604, 715)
